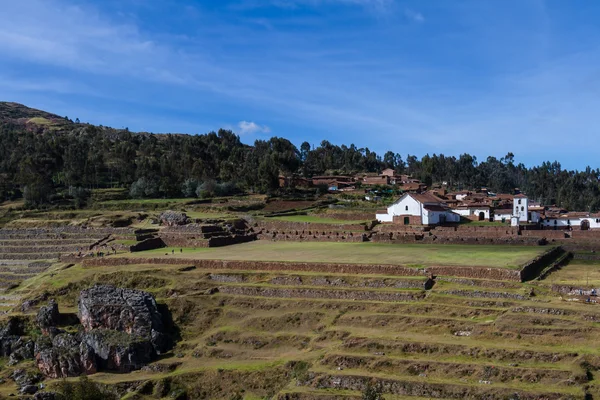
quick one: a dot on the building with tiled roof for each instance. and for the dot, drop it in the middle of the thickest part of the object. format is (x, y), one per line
(418, 209)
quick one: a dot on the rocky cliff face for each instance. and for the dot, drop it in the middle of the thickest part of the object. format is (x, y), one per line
(123, 330)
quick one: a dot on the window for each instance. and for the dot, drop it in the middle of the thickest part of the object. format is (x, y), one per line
(406, 208)
(522, 208)
(519, 201)
(554, 222)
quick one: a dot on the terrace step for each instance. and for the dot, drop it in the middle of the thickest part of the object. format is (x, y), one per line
(463, 371)
(434, 389)
(313, 293)
(445, 351)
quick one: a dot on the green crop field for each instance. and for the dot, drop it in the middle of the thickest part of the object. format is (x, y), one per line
(362, 253)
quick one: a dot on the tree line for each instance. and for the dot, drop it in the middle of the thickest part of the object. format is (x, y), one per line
(71, 159)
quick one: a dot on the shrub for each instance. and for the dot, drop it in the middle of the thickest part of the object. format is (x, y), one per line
(83, 389)
(80, 195)
(36, 194)
(143, 188)
(207, 189)
(189, 187)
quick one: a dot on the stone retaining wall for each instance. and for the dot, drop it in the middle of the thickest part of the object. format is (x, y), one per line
(276, 225)
(532, 268)
(456, 238)
(313, 236)
(544, 234)
(424, 389)
(29, 256)
(378, 269)
(321, 293)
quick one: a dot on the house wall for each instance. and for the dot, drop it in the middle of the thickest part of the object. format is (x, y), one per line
(498, 217)
(412, 219)
(433, 217)
(473, 213)
(384, 217)
(406, 205)
(535, 216)
(575, 223)
(521, 208)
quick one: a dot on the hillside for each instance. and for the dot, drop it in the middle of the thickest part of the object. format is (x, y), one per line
(18, 113)
(79, 156)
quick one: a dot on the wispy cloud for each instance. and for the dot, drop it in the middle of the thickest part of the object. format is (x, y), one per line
(249, 128)
(375, 86)
(414, 15)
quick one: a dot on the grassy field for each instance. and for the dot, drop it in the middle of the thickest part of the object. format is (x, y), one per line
(315, 219)
(362, 253)
(576, 273)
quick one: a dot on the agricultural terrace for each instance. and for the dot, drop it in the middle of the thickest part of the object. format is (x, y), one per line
(418, 255)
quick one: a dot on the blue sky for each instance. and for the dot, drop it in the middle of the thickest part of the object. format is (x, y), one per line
(435, 76)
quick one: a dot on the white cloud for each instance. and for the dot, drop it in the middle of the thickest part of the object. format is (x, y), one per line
(414, 15)
(249, 128)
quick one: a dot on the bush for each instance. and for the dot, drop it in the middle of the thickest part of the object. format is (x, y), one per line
(37, 194)
(143, 188)
(207, 189)
(80, 195)
(83, 389)
(189, 187)
(226, 189)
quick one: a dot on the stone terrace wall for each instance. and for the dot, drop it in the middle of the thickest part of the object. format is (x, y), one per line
(401, 228)
(544, 234)
(505, 230)
(274, 225)
(312, 293)
(314, 236)
(532, 268)
(454, 238)
(379, 269)
(590, 234)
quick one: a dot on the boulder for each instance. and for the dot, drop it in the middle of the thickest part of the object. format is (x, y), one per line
(25, 379)
(65, 356)
(10, 336)
(29, 389)
(46, 396)
(48, 317)
(118, 351)
(22, 350)
(123, 330)
(173, 218)
(125, 310)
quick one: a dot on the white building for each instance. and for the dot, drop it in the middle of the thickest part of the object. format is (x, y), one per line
(566, 221)
(418, 209)
(479, 212)
(521, 207)
(503, 214)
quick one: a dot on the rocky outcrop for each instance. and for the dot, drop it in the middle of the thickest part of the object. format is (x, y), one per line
(65, 355)
(117, 351)
(48, 317)
(126, 310)
(123, 330)
(173, 218)
(26, 381)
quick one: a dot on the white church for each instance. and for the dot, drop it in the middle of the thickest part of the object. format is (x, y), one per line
(418, 209)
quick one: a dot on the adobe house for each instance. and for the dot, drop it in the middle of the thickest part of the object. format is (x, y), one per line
(418, 209)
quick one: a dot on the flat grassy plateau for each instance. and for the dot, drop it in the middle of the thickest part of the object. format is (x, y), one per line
(511, 257)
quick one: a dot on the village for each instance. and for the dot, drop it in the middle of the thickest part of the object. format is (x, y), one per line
(420, 205)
